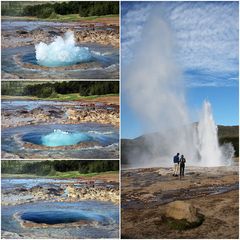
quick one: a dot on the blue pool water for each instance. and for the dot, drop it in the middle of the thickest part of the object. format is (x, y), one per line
(58, 137)
(62, 216)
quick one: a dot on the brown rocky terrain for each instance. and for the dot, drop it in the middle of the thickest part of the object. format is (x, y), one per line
(65, 114)
(91, 190)
(108, 34)
(156, 205)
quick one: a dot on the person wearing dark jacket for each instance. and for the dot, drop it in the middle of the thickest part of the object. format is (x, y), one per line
(176, 165)
(182, 165)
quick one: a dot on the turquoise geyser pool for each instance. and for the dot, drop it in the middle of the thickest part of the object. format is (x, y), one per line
(82, 141)
(85, 219)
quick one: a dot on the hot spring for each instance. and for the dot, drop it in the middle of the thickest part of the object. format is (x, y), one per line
(67, 140)
(88, 219)
(62, 216)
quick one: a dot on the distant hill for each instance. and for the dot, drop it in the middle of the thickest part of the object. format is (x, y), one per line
(140, 145)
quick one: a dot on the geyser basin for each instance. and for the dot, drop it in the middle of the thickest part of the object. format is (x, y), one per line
(61, 216)
(87, 140)
(102, 64)
(101, 219)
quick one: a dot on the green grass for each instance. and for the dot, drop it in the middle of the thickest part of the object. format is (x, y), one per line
(62, 18)
(70, 174)
(75, 174)
(60, 97)
(183, 224)
(9, 175)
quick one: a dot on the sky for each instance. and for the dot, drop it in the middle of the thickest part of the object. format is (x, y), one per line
(206, 37)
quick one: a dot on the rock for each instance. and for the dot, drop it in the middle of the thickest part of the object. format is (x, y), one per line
(10, 235)
(181, 210)
(22, 32)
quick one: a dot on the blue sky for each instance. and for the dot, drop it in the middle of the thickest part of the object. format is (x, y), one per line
(206, 49)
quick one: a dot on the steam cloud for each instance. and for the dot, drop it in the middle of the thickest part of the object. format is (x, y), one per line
(155, 87)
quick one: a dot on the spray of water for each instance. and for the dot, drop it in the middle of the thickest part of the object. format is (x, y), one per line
(62, 138)
(61, 52)
(156, 92)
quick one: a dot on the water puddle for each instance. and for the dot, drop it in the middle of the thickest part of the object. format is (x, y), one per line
(165, 197)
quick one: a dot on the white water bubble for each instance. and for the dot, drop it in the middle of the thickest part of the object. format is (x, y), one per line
(62, 52)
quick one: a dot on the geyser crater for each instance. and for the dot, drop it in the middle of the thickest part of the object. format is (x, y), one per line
(61, 217)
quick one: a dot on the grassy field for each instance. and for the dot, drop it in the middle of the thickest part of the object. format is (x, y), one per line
(65, 18)
(60, 97)
(70, 174)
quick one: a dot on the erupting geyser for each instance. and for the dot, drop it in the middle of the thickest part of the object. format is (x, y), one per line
(206, 139)
(62, 52)
(155, 88)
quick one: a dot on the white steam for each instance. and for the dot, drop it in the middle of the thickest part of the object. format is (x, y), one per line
(155, 88)
(61, 52)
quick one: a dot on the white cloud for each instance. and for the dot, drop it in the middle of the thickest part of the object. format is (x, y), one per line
(206, 37)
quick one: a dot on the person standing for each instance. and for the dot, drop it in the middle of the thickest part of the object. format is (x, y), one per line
(176, 165)
(182, 166)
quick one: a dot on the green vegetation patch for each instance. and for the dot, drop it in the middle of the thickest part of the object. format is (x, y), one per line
(59, 168)
(56, 10)
(183, 224)
(70, 174)
(71, 90)
(76, 174)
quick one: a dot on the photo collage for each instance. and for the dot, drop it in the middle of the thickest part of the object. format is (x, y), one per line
(119, 120)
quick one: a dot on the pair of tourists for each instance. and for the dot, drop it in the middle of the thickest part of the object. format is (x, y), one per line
(177, 160)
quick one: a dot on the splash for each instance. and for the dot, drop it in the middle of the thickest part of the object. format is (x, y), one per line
(61, 52)
(62, 138)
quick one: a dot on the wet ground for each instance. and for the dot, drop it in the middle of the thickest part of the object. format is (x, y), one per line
(25, 112)
(146, 191)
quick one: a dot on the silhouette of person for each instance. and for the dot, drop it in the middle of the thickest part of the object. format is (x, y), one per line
(176, 165)
(182, 166)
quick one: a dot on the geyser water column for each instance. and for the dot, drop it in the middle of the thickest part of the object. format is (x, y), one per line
(206, 139)
(61, 52)
(155, 89)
